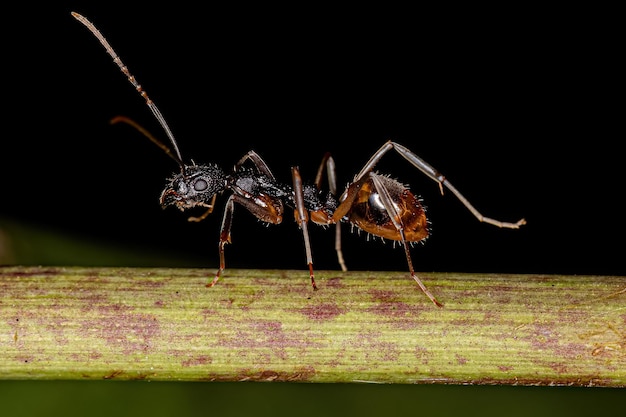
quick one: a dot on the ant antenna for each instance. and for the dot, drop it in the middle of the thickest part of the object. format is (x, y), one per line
(143, 131)
(155, 110)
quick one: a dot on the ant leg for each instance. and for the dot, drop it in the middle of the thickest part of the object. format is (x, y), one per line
(258, 162)
(414, 275)
(146, 133)
(436, 176)
(340, 259)
(395, 217)
(328, 164)
(347, 199)
(302, 219)
(206, 213)
(227, 222)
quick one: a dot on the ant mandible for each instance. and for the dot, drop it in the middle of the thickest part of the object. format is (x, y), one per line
(374, 203)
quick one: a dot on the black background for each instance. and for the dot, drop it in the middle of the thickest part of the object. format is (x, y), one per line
(517, 106)
(517, 111)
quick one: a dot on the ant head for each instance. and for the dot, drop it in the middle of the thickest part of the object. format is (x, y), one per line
(194, 186)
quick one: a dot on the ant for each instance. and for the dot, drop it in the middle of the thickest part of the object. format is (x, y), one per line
(372, 202)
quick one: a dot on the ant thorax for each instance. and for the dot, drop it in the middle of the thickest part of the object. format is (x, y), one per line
(251, 182)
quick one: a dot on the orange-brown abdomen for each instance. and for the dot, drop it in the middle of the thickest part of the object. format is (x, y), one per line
(369, 214)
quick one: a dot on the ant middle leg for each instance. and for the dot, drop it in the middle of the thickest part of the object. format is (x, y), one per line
(302, 218)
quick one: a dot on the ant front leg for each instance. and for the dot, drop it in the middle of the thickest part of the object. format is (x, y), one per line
(227, 222)
(302, 218)
(264, 207)
(206, 213)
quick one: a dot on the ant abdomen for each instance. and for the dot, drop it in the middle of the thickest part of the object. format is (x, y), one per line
(369, 213)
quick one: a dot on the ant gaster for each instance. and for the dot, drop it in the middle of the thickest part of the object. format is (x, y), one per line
(374, 203)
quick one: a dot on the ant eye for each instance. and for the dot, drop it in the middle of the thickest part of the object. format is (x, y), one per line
(200, 185)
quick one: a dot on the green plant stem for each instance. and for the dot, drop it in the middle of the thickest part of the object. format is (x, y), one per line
(267, 325)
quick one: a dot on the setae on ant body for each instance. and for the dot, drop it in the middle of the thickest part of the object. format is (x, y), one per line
(374, 203)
